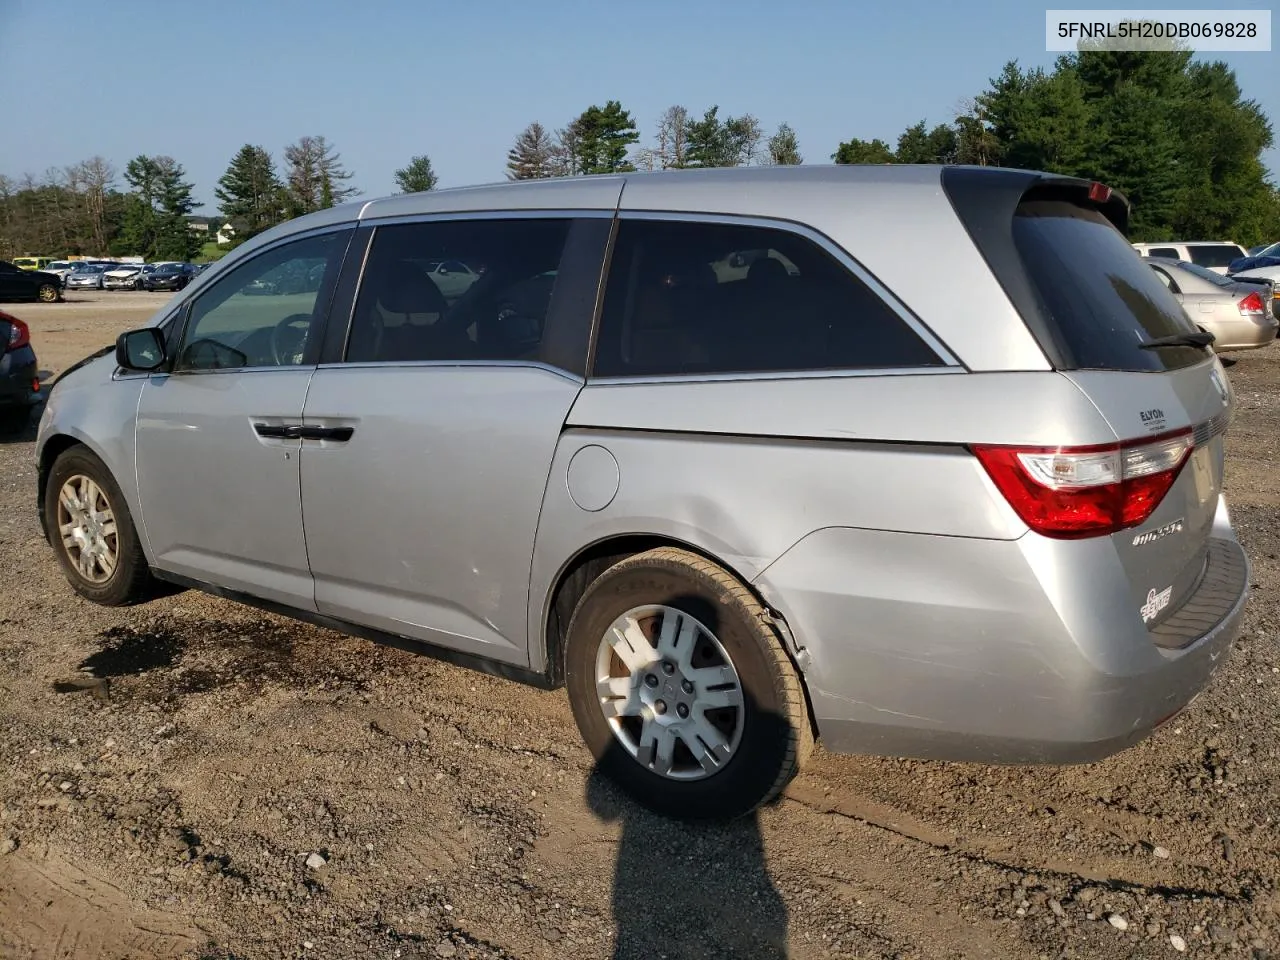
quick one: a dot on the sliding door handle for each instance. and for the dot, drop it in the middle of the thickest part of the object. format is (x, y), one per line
(278, 431)
(332, 434)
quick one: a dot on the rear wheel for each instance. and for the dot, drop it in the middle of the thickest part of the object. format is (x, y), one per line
(47, 293)
(681, 688)
(92, 532)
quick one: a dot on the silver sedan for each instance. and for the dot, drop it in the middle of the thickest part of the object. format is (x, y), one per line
(1237, 313)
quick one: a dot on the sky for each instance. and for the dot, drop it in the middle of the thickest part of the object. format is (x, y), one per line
(384, 80)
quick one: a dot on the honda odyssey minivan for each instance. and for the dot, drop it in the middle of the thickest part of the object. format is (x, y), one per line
(707, 449)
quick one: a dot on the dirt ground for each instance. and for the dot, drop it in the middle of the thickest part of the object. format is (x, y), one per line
(236, 785)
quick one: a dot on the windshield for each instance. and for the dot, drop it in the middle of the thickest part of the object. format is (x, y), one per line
(1101, 300)
(1271, 251)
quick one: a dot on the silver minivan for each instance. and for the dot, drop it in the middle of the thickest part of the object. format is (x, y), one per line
(708, 448)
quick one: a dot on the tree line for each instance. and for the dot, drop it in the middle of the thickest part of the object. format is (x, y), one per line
(1177, 137)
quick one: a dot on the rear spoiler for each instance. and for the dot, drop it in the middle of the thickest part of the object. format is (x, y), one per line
(986, 198)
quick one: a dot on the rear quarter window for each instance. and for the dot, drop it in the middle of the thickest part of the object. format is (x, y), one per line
(1213, 254)
(695, 298)
(1100, 301)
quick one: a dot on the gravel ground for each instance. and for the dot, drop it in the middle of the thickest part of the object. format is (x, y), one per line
(191, 778)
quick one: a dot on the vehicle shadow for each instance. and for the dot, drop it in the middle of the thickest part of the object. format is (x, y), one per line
(689, 890)
(13, 429)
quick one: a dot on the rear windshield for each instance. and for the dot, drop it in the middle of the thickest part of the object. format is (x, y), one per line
(1101, 300)
(1213, 254)
(1204, 273)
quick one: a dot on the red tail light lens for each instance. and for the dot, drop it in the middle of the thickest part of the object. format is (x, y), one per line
(19, 334)
(1099, 192)
(1251, 304)
(1073, 492)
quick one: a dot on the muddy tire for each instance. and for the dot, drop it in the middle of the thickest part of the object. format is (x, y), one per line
(682, 689)
(92, 532)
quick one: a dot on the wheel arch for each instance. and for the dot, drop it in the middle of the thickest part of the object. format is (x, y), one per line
(591, 560)
(53, 447)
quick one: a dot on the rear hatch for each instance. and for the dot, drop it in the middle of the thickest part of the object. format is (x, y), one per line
(1108, 323)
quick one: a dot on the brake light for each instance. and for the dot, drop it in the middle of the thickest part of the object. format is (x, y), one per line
(19, 333)
(1072, 492)
(1251, 304)
(1099, 192)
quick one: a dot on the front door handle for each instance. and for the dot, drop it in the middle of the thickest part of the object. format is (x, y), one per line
(333, 434)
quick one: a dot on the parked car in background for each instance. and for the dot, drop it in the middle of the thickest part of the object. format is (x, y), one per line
(123, 277)
(1214, 254)
(970, 513)
(1239, 315)
(89, 277)
(60, 268)
(19, 384)
(32, 263)
(19, 284)
(1254, 251)
(1264, 257)
(169, 276)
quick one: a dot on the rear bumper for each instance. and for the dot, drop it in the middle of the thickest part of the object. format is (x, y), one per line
(958, 649)
(1244, 334)
(17, 374)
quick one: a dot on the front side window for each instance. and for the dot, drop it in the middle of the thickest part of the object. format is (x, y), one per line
(1169, 253)
(711, 298)
(457, 290)
(265, 312)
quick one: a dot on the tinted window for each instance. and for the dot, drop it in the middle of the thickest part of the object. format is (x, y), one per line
(700, 298)
(1213, 255)
(1101, 300)
(264, 312)
(457, 290)
(1170, 252)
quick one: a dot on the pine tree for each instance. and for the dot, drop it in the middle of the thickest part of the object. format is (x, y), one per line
(532, 157)
(250, 192)
(601, 136)
(712, 142)
(417, 177)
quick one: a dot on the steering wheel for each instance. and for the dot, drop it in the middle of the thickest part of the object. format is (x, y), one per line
(288, 338)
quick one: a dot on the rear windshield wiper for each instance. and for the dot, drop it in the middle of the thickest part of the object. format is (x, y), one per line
(1201, 339)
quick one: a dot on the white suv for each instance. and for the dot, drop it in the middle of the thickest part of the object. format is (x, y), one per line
(1216, 255)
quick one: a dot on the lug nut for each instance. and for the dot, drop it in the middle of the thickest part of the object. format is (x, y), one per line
(651, 680)
(668, 667)
(686, 686)
(660, 707)
(682, 710)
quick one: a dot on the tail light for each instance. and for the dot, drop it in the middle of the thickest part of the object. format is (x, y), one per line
(19, 334)
(1099, 192)
(1252, 304)
(1073, 492)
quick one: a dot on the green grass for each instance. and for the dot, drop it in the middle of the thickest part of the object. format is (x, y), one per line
(209, 252)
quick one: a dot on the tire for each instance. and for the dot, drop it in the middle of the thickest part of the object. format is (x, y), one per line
(768, 735)
(129, 579)
(47, 293)
(14, 420)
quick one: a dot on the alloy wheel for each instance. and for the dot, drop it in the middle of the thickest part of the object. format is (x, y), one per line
(670, 692)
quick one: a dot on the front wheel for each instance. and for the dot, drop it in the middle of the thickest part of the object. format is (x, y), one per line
(681, 688)
(47, 293)
(92, 533)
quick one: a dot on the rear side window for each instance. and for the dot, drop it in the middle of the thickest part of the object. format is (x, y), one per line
(1101, 301)
(1169, 252)
(1213, 254)
(705, 298)
(457, 290)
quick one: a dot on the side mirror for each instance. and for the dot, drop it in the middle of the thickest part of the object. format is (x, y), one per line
(140, 349)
